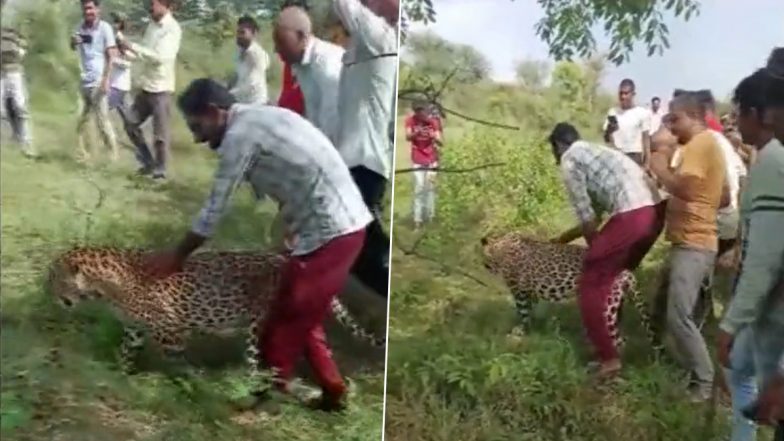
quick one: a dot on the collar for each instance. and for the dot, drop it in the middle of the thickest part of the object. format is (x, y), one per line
(165, 20)
(94, 27)
(310, 49)
(231, 114)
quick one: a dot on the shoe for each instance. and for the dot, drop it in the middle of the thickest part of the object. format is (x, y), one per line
(699, 394)
(144, 171)
(159, 177)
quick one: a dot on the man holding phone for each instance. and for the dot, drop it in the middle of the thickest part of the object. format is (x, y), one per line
(628, 126)
(94, 40)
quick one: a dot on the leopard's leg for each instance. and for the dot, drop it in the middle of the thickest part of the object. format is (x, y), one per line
(171, 340)
(524, 305)
(130, 348)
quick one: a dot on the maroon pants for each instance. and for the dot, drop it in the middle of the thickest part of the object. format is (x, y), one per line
(295, 322)
(620, 245)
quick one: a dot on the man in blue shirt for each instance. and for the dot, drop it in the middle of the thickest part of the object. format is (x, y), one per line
(94, 41)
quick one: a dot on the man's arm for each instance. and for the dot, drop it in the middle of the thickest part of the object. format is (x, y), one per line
(763, 266)
(576, 186)
(163, 50)
(235, 160)
(362, 23)
(646, 148)
(110, 55)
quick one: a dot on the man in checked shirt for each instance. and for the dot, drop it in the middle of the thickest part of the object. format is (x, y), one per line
(598, 177)
(288, 159)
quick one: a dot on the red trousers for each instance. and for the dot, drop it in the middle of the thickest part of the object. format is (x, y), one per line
(620, 245)
(295, 322)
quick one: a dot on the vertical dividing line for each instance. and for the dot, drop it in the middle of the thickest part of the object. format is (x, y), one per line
(391, 222)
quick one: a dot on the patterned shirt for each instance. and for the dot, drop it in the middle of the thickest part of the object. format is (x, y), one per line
(158, 54)
(601, 178)
(13, 47)
(285, 157)
(318, 75)
(367, 88)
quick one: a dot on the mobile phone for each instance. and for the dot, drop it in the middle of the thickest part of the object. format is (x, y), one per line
(612, 120)
(86, 38)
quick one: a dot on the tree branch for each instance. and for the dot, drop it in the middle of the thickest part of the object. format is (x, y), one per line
(447, 268)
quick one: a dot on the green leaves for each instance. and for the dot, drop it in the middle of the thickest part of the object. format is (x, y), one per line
(568, 26)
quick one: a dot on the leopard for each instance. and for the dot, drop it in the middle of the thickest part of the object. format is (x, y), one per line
(536, 270)
(216, 293)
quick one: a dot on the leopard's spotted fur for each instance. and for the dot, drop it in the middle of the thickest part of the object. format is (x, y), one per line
(218, 292)
(536, 270)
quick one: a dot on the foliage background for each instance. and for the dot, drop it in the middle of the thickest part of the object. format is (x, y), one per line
(59, 378)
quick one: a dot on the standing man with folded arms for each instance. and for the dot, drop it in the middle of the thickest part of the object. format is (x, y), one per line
(367, 89)
(157, 54)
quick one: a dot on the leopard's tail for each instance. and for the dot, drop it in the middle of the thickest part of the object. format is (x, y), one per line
(344, 318)
(645, 317)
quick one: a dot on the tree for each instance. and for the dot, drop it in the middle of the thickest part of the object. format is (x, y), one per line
(437, 58)
(532, 74)
(567, 24)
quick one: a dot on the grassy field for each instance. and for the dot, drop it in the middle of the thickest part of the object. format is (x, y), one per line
(456, 372)
(59, 378)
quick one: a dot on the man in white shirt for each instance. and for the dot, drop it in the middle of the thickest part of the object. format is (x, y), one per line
(157, 54)
(286, 158)
(252, 63)
(367, 89)
(656, 114)
(628, 126)
(316, 64)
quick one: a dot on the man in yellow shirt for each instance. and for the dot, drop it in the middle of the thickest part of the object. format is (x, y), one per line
(696, 186)
(157, 54)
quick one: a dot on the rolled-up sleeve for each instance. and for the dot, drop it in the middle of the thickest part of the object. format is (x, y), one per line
(234, 162)
(577, 189)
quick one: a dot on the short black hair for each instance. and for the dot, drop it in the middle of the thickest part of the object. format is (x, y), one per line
(706, 99)
(300, 3)
(752, 92)
(96, 3)
(202, 93)
(246, 21)
(627, 82)
(775, 70)
(678, 92)
(656, 98)
(564, 133)
(690, 102)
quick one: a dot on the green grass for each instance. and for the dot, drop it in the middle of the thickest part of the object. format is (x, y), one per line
(59, 377)
(456, 372)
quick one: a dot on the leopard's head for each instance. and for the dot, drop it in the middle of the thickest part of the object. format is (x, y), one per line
(83, 274)
(507, 252)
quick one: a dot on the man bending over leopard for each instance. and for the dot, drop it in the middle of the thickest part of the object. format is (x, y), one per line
(600, 177)
(287, 158)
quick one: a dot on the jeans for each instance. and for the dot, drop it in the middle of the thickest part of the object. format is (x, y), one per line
(742, 381)
(424, 193)
(13, 105)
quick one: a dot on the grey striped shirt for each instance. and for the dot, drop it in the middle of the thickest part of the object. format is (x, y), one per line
(287, 158)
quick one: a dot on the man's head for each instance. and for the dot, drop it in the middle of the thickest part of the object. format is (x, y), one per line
(421, 109)
(626, 92)
(293, 30)
(247, 28)
(561, 138)
(775, 93)
(159, 8)
(686, 117)
(118, 22)
(388, 9)
(655, 104)
(205, 105)
(91, 10)
(708, 102)
(750, 101)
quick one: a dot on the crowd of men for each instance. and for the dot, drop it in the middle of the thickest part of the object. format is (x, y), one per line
(710, 188)
(322, 152)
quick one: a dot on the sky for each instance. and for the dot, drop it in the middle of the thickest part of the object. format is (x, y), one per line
(716, 49)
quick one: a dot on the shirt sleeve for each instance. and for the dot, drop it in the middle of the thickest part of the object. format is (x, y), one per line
(361, 23)
(762, 268)
(577, 189)
(237, 154)
(163, 50)
(108, 35)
